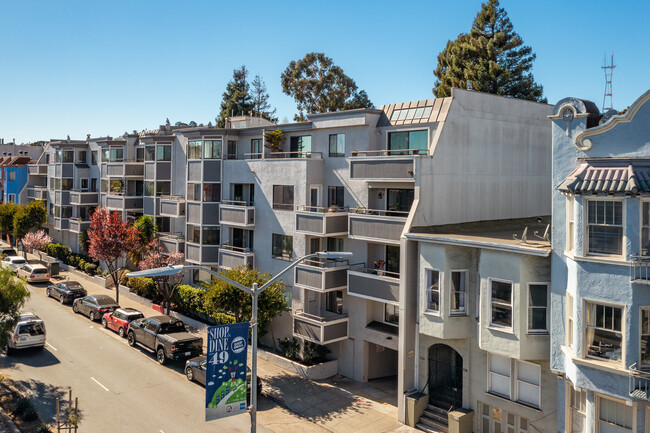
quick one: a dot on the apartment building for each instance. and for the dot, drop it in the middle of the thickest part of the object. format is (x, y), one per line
(600, 298)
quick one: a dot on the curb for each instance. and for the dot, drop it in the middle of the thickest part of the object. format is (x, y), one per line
(4, 418)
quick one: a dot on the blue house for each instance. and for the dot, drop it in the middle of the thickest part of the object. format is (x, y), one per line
(14, 178)
(600, 302)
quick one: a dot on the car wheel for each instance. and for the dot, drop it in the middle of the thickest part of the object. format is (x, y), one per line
(62, 300)
(121, 332)
(104, 323)
(131, 339)
(160, 356)
(9, 351)
(75, 307)
(189, 373)
(91, 316)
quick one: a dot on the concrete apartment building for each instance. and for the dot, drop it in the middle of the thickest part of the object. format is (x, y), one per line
(359, 181)
(600, 299)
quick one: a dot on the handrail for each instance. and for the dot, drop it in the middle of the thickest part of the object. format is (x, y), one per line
(322, 319)
(172, 197)
(236, 203)
(320, 209)
(298, 155)
(367, 270)
(172, 235)
(390, 152)
(84, 190)
(639, 267)
(253, 156)
(327, 263)
(380, 212)
(235, 249)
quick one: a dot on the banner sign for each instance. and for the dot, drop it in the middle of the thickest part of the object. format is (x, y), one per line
(225, 376)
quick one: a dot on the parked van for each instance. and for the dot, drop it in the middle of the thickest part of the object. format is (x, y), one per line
(34, 273)
(29, 332)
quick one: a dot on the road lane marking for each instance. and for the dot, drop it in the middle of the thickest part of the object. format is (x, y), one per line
(97, 382)
(51, 347)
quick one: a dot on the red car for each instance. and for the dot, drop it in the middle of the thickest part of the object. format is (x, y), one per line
(119, 319)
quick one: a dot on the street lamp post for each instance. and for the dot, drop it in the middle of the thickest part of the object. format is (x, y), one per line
(254, 291)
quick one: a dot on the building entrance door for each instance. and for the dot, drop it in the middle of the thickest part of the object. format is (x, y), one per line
(445, 377)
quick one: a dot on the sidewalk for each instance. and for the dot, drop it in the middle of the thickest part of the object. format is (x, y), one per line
(337, 405)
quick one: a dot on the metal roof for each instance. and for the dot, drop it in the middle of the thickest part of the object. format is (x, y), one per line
(609, 176)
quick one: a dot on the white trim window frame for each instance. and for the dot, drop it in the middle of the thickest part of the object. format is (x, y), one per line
(604, 221)
(11, 198)
(645, 227)
(528, 383)
(615, 413)
(576, 408)
(570, 223)
(499, 370)
(605, 323)
(458, 292)
(644, 338)
(538, 308)
(501, 305)
(433, 290)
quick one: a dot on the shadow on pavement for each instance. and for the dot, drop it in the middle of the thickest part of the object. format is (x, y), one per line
(34, 357)
(44, 398)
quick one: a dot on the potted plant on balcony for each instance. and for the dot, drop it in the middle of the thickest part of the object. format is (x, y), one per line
(379, 266)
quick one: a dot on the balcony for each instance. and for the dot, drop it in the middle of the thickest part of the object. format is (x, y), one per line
(120, 202)
(237, 213)
(640, 269)
(123, 169)
(384, 165)
(639, 383)
(375, 284)
(37, 169)
(37, 192)
(172, 206)
(284, 155)
(376, 225)
(77, 225)
(84, 198)
(321, 221)
(171, 242)
(321, 276)
(325, 329)
(61, 223)
(233, 257)
(204, 254)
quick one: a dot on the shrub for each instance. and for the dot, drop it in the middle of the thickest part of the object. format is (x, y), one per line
(90, 268)
(144, 287)
(190, 301)
(314, 353)
(81, 265)
(290, 347)
(21, 406)
(58, 251)
(30, 414)
(43, 428)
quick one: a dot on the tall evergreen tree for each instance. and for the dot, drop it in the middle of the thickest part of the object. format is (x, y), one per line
(260, 98)
(319, 86)
(491, 57)
(237, 98)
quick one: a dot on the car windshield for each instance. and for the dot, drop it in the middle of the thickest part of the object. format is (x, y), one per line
(75, 286)
(31, 329)
(168, 328)
(39, 271)
(18, 261)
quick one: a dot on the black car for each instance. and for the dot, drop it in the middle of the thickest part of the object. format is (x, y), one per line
(195, 370)
(94, 306)
(66, 292)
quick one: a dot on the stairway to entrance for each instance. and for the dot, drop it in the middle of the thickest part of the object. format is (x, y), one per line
(434, 420)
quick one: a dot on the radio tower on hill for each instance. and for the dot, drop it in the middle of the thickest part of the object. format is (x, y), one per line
(609, 72)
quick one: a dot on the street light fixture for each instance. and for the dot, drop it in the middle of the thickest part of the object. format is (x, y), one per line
(254, 292)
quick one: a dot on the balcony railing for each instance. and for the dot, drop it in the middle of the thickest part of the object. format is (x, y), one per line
(89, 198)
(37, 192)
(61, 223)
(77, 225)
(640, 269)
(322, 221)
(172, 206)
(639, 383)
(321, 276)
(318, 329)
(285, 155)
(376, 225)
(389, 152)
(123, 202)
(37, 169)
(385, 165)
(171, 242)
(376, 284)
(231, 257)
(237, 213)
(123, 168)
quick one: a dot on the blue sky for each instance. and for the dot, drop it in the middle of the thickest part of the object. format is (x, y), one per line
(103, 68)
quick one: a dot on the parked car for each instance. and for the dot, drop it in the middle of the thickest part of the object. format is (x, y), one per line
(166, 337)
(94, 306)
(66, 292)
(119, 319)
(29, 332)
(13, 262)
(34, 273)
(195, 370)
(8, 251)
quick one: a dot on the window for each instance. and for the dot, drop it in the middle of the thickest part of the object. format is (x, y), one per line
(569, 320)
(604, 334)
(282, 247)
(496, 420)
(67, 156)
(529, 378)
(93, 157)
(645, 229)
(613, 413)
(337, 145)
(163, 153)
(415, 141)
(605, 227)
(501, 302)
(212, 149)
(400, 201)
(163, 188)
(104, 185)
(433, 290)
(335, 244)
(391, 314)
(334, 302)
(300, 145)
(645, 336)
(211, 192)
(499, 375)
(193, 234)
(538, 308)
(256, 148)
(194, 149)
(335, 196)
(211, 236)
(67, 184)
(113, 154)
(283, 197)
(11, 198)
(194, 191)
(411, 114)
(81, 157)
(392, 260)
(458, 292)
(150, 153)
(93, 184)
(84, 184)
(149, 188)
(570, 222)
(11, 175)
(577, 400)
(232, 150)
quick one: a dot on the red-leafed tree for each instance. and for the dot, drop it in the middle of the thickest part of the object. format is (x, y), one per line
(156, 258)
(36, 240)
(108, 239)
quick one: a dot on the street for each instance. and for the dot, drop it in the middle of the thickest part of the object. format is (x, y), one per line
(119, 388)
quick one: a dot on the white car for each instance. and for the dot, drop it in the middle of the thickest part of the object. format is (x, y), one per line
(13, 262)
(33, 273)
(29, 332)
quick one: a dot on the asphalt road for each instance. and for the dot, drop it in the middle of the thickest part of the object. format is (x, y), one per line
(120, 389)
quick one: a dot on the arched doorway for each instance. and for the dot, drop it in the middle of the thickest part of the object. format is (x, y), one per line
(445, 377)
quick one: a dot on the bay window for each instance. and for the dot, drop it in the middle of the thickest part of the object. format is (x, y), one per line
(433, 290)
(605, 227)
(604, 331)
(458, 292)
(538, 308)
(501, 303)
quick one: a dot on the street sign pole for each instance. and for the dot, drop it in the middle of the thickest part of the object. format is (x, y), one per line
(254, 362)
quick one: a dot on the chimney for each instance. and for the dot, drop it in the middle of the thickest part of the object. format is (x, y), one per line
(14, 141)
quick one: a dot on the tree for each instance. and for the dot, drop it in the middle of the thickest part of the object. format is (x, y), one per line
(491, 57)
(13, 296)
(168, 283)
(319, 86)
(260, 96)
(224, 298)
(7, 212)
(237, 98)
(108, 240)
(139, 243)
(30, 217)
(35, 240)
